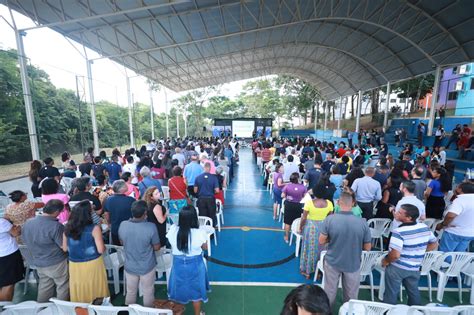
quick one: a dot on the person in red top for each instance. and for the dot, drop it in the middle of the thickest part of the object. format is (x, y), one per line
(341, 151)
(266, 154)
(466, 129)
(178, 191)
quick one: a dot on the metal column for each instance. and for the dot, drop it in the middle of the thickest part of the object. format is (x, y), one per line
(185, 118)
(387, 104)
(130, 118)
(340, 114)
(30, 116)
(434, 97)
(95, 133)
(315, 117)
(359, 109)
(152, 114)
(166, 114)
(177, 124)
(325, 115)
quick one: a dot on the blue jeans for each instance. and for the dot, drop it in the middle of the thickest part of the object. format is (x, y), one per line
(454, 243)
(394, 277)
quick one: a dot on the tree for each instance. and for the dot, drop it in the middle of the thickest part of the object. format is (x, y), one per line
(416, 89)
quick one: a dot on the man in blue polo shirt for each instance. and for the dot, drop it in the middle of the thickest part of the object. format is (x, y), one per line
(205, 186)
(191, 171)
(114, 170)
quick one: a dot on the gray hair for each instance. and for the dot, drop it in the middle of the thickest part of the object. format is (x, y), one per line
(145, 171)
(119, 186)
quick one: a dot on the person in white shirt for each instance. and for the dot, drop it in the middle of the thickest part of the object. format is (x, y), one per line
(367, 191)
(180, 157)
(408, 189)
(188, 279)
(11, 262)
(442, 156)
(289, 168)
(131, 167)
(458, 223)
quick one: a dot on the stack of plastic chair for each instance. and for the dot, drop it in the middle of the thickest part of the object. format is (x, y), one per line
(295, 226)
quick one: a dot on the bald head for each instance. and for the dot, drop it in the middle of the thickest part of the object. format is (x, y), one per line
(370, 171)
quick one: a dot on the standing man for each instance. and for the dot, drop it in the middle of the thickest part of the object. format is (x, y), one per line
(350, 134)
(346, 236)
(408, 189)
(367, 191)
(455, 134)
(420, 184)
(206, 186)
(117, 208)
(408, 245)
(458, 224)
(114, 170)
(44, 237)
(421, 133)
(140, 241)
(191, 171)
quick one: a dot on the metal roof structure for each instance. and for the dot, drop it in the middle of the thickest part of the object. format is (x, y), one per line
(340, 47)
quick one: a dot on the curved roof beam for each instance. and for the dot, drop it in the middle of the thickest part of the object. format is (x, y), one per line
(441, 26)
(311, 74)
(360, 68)
(286, 59)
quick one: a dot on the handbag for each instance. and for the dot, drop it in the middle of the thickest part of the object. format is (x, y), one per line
(178, 309)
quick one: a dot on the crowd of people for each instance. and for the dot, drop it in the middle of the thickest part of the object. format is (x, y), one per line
(333, 187)
(336, 188)
(120, 200)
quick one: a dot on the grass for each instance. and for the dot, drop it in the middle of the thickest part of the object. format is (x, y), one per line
(21, 169)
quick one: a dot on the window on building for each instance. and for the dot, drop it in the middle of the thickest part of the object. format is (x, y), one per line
(452, 96)
(472, 83)
(402, 100)
(455, 70)
(393, 101)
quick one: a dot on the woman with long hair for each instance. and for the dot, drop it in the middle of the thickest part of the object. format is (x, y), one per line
(156, 213)
(390, 197)
(314, 213)
(49, 191)
(33, 174)
(188, 279)
(435, 192)
(84, 243)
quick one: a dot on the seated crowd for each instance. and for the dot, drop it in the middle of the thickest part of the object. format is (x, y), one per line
(123, 200)
(336, 189)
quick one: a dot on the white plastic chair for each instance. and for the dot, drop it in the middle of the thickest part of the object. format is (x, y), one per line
(219, 214)
(430, 310)
(426, 265)
(320, 268)
(295, 226)
(453, 268)
(106, 310)
(26, 308)
(377, 229)
(68, 308)
(206, 224)
(270, 183)
(66, 184)
(141, 310)
(367, 265)
(166, 195)
(464, 309)
(468, 270)
(281, 213)
(164, 262)
(30, 267)
(114, 259)
(432, 223)
(358, 307)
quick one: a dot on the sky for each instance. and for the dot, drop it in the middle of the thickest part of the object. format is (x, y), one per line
(63, 60)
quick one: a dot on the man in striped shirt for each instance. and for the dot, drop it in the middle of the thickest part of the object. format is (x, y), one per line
(407, 247)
